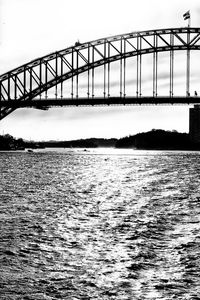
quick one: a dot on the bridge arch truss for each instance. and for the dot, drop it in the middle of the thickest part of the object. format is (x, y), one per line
(22, 85)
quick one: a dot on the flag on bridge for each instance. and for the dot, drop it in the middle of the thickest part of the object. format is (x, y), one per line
(186, 15)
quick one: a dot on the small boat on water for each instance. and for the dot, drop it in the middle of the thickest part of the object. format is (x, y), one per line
(30, 150)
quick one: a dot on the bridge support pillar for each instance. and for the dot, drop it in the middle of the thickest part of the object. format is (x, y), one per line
(194, 124)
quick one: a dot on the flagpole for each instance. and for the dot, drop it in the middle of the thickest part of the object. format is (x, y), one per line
(188, 60)
(189, 21)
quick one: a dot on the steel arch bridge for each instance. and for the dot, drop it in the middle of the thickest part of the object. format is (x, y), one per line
(29, 84)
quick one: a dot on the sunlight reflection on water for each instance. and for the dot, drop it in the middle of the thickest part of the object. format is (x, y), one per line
(99, 224)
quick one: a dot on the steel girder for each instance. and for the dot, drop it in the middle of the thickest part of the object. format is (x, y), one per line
(38, 76)
(44, 104)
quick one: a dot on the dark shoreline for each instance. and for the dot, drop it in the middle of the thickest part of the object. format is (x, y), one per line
(151, 140)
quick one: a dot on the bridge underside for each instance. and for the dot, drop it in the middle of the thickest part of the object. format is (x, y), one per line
(98, 101)
(6, 107)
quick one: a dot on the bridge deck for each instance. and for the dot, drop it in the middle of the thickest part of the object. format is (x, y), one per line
(97, 101)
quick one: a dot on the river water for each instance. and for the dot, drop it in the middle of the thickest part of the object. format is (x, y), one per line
(99, 224)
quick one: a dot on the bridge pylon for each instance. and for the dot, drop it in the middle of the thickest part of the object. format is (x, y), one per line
(194, 124)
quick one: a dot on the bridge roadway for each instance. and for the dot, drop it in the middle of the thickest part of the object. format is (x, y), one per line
(97, 101)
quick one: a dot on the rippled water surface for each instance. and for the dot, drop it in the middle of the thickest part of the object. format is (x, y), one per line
(99, 225)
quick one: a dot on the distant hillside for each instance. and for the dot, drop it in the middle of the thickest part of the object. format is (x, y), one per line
(157, 139)
(153, 140)
(8, 142)
(87, 143)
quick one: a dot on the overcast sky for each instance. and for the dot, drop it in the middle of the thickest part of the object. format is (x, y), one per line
(32, 28)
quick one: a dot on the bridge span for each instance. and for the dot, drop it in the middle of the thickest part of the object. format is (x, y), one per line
(106, 71)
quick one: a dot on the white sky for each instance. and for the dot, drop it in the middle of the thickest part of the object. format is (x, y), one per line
(32, 28)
